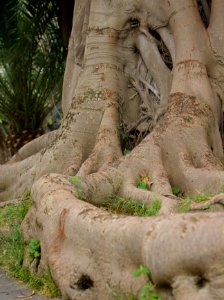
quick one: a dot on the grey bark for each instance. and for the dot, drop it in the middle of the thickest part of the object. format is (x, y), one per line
(110, 44)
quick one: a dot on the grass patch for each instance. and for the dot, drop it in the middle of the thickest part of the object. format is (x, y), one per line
(176, 190)
(144, 182)
(131, 207)
(15, 213)
(187, 201)
(12, 249)
(199, 197)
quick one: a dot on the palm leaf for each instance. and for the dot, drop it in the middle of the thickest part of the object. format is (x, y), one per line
(32, 62)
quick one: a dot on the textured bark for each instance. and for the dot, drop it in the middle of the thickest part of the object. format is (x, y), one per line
(81, 241)
(116, 74)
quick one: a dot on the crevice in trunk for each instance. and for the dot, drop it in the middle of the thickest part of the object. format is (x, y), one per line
(163, 50)
(204, 8)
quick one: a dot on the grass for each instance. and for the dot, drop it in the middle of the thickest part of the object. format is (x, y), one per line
(131, 207)
(187, 201)
(12, 249)
(76, 181)
(147, 291)
(15, 213)
(144, 182)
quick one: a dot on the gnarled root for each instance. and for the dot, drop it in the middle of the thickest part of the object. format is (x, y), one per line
(34, 146)
(92, 253)
(169, 156)
(17, 177)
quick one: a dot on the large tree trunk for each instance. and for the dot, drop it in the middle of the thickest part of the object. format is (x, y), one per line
(117, 74)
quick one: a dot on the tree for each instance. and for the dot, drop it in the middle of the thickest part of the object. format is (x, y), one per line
(117, 74)
(31, 47)
(4, 153)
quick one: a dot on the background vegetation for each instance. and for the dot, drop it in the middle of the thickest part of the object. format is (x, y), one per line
(32, 59)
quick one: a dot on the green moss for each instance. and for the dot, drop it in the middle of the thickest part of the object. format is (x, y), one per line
(131, 207)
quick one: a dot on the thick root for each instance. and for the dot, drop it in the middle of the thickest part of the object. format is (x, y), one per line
(216, 200)
(92, 254)
(34, 146)
(18, 177)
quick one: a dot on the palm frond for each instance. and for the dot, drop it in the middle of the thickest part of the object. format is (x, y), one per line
(31, 62)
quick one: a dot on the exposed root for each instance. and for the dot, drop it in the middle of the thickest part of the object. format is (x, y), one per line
(218, 199)
(17, 177)
(91, 252)
(10, 202)
(168, 204)
(203, 181)
(169, 156)
(121, 179)
(107, 147)
(34, 146)
(80, 241)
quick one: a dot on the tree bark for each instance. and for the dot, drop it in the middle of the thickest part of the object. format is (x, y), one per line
(117, 74)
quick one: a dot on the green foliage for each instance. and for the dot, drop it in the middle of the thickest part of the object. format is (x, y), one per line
(12, 248)
(199, 197)
(147, 291)
(142, 185)
(187, 201)
(176, 190)
(131, 207)
(154, 208)
(184, 206)
(15, 213)
(43, 283)
(76, 180)
(144, 182)
(141, 270)
(31, 63)
(34, 248)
